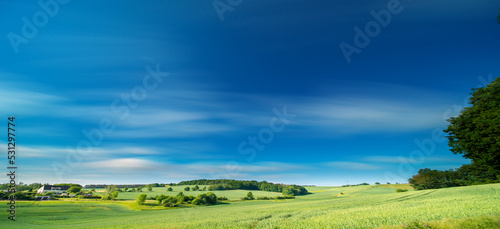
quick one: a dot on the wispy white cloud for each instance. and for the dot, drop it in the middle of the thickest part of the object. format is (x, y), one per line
(61, 151)
(120, 164)
(336, 115)
(350, 165)
(28, 103)
(254, 167)
(112, 167)
(369, 115)
(403, 159)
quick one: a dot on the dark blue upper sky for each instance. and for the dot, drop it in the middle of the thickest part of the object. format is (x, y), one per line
(255, 90)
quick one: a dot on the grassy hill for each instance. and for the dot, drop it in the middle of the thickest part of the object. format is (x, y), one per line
(326, 207)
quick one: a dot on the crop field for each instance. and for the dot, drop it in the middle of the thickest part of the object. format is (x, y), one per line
(230, 194)
(327, 207)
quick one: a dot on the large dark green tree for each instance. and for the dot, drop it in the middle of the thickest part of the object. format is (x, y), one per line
(475, 133)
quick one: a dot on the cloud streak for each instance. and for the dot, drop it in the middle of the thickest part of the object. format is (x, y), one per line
(350, 165)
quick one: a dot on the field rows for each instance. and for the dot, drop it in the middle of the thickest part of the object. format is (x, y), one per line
(357, 208)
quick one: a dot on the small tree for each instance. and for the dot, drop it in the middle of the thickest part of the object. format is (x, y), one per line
(186, 189)
(150, 189)
(74, 189)
(377, 183)
(170, 189)
(114, 195)
(205, 188)
(110, 189)
(212, 198)
(141, 199)
(160, 198)
(250, 195)
(170, 202)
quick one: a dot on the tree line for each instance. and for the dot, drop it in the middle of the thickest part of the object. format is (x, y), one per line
(227, 184)
(22, 186)
(174, 201)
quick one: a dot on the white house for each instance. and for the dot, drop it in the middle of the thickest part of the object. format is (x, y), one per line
(54, 189)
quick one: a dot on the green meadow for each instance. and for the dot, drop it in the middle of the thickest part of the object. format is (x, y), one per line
(230, 194)
(326, 207)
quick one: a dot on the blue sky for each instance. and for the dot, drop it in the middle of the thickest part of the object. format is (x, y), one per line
(177, 90)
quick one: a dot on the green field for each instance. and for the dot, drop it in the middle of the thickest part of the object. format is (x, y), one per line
(358, 207)
(230, 194)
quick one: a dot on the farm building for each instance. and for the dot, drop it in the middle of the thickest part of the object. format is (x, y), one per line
(54, 189)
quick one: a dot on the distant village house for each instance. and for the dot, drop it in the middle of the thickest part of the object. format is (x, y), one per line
(53, 189)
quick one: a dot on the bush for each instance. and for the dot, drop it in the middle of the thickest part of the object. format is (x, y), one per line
(417, 225)
(186, 189)
(114, 195)
(401, 190)
(92, 197)
(189, 199)
(211, 198)
(106, 197)
(181, 199)
(170, 202)
(222, 198)
(294, 190)
(160, 198)
(263, 198)
(205, 198)
(19, 196)
(75, 189)
(250, 195)
(141, 199)
(170, 189)
(196, 202)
